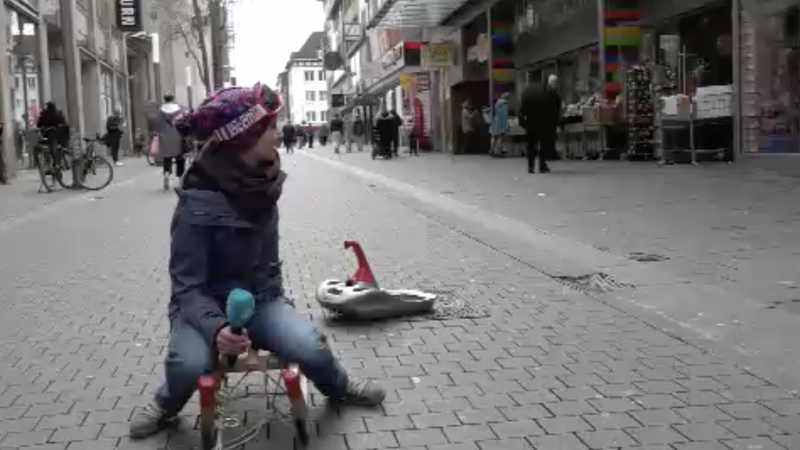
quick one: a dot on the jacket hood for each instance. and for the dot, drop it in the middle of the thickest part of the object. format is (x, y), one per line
(211, 208)
(170, 109)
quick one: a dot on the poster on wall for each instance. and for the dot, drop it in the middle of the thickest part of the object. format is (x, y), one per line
(421, 104)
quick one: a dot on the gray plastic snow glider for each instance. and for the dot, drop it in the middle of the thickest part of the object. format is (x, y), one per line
(360, 297)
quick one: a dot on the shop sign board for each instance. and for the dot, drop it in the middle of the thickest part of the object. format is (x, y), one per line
(438, 55)
(129, 15)
(423, 81)
(406, 80)
(669, 42)
(393, 59)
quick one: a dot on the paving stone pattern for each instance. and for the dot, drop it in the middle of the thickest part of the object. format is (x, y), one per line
(22, 195)
(83, 332)
(733, 226)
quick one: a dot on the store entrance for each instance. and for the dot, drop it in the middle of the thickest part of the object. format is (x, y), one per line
(779, 83)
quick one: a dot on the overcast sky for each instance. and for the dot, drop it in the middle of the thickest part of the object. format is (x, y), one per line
(267, 31)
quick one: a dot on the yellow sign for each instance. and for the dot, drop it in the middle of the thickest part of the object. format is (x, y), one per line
(438, 55)
(406, 80)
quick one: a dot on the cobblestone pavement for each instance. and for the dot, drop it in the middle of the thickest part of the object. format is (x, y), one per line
(83, 331)
(735, 226)
(22, 195)
(725, 235)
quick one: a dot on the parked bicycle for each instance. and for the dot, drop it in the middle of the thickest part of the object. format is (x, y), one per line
(92, 167)
(56, 164)
(52, 160)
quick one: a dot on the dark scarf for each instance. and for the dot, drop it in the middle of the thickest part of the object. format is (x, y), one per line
(252, 191)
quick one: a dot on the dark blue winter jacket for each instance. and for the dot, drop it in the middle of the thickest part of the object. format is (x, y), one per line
(214, 251)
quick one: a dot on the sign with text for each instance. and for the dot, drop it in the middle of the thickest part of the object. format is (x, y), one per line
(129, 15)
(393, 59)
(438, 55)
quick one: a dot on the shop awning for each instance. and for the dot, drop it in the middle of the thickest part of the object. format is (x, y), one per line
(414, 13)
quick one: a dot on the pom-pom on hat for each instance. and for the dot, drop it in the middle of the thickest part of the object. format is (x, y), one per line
(234, 117)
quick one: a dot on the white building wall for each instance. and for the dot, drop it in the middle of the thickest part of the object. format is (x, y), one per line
(306, 107)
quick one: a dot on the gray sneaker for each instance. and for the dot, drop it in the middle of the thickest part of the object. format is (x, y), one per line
(150, 420)
(364, 392)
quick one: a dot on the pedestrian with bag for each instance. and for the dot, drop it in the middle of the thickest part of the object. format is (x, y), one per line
(113, 138)
(499, 127)
(171, 144)
(337, 130)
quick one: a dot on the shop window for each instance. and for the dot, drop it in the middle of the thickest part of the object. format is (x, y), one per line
(709, 54)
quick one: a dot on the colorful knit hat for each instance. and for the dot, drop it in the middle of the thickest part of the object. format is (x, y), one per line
(235, 117)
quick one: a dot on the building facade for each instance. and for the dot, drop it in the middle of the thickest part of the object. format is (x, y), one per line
(304, 84)
(91, 61)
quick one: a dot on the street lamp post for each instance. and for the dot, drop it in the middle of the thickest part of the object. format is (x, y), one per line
(156, 51)
(189, 86)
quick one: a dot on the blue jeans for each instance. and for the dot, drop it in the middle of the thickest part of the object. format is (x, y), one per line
(275, 327)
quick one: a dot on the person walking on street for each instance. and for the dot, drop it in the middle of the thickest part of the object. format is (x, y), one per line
(386, 126)
(171, 144)
(337, 129)
(359, 131)
(348, 132)
(398, 122)
(308, 131)
(225, 233)
(300, 135)
(289, 137)
(323, 132)
(469, 115)
(114, 132)
(500, 128)
(540, 115)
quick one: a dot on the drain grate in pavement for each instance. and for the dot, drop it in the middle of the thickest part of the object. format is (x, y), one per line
(646, 257)
(793, 305)
(451, 305)
(596, 283)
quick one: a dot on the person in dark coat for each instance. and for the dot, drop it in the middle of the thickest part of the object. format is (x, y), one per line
(398, 122)
(171, 144)
(114, 132)
(386, 132)
(289, 137)
(54, 125)
(540, 115)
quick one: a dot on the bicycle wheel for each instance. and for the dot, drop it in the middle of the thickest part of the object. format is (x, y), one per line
(65, 178)
(44, 163)
(95, 172)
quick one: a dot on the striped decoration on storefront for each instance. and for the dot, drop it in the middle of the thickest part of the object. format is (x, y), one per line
(622, 40)
(503, 73)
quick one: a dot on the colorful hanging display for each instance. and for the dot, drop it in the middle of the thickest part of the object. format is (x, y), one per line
(502, 64)
(622, 39)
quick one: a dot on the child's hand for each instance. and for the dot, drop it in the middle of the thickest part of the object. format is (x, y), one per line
(230, 343)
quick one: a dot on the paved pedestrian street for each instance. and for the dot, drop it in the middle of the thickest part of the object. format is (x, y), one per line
(84, 289)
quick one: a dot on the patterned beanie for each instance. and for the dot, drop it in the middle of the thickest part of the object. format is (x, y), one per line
(235, 117)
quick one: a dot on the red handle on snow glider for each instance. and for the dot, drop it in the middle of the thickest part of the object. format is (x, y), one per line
(363, 274)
